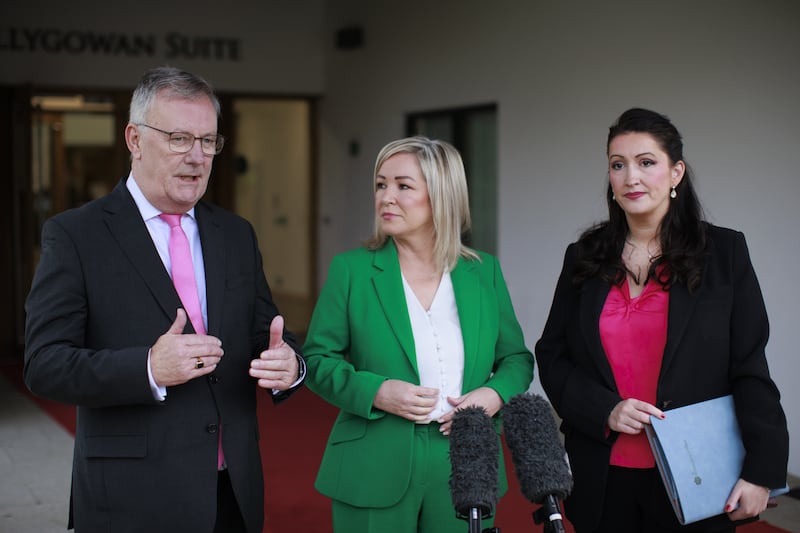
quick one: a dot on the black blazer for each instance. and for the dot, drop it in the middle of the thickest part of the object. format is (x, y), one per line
(100, 299)
(715, 346)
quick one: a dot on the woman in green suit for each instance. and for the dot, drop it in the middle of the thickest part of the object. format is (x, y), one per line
(407, 329)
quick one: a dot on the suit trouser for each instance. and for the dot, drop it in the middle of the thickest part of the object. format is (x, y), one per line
(426, 507)
(229, 517)
(629, 501)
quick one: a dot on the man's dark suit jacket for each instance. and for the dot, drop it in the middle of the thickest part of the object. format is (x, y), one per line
(100, 299)
(715, 346)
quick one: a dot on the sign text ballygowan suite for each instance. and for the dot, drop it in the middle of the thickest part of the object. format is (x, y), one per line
(171, 45)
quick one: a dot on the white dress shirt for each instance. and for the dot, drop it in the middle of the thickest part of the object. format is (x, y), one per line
(438, 343)
(159, 232)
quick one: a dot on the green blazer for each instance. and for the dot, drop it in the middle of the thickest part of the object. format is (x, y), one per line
(360, 335)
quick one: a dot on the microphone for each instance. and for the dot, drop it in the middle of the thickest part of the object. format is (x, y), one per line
(474, 449)
(537, 454)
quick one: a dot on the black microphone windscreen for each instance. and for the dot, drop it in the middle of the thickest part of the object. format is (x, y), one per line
(474, 450)
(536, 450)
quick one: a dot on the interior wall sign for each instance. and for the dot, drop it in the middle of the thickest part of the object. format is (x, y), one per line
(171, 45)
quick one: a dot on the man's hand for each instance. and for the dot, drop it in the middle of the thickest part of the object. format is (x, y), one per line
(277, 367)
(175, 357)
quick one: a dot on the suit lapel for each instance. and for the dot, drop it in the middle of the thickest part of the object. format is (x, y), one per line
(594, 294)
(128, 229)
(681, 305)
(389, 289)
(212, 239)
(466, 286)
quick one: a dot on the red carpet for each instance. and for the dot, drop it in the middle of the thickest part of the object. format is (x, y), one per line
(299, 430)
(293, 436)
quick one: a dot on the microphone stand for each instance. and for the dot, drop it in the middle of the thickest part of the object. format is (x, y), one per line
(474, 521)
(550, 514)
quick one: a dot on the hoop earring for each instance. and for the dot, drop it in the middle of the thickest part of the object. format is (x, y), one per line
(672, 193)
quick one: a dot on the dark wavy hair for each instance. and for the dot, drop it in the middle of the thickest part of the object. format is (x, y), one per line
(682, 230)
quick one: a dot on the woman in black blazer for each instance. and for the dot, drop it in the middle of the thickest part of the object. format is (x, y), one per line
(656, 309)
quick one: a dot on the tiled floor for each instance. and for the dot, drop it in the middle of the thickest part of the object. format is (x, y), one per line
(36, 458)
(36, 462)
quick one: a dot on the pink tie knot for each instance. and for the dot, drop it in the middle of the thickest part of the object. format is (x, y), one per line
(172, 220)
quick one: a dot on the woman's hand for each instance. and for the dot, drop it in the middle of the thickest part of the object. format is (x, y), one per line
(484, 397)
(751, 500)
(630, 416)
(404, 399)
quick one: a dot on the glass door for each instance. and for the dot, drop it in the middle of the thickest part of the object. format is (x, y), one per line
(273, 190)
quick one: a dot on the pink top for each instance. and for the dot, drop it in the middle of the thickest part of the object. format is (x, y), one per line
(634, 333)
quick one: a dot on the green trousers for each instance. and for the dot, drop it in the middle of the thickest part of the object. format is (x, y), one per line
(425, 508)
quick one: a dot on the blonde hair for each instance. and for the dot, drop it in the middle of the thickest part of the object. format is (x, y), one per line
(446, 180)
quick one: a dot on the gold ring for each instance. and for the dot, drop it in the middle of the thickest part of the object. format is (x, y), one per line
(199, 364)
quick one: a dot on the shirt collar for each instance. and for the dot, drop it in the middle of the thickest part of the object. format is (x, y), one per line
(146, 209)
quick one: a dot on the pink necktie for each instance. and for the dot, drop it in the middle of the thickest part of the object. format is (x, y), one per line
(180, 258)
(183, 271)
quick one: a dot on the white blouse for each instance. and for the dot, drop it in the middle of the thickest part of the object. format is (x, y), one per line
(438, 343)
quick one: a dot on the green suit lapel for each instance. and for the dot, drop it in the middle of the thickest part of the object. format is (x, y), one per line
(466, 285)
(389, 290)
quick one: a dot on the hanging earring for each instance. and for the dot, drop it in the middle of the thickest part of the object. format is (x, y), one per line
(672, 193)
(613, 197)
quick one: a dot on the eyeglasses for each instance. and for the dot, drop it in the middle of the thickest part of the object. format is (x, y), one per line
(181, 141)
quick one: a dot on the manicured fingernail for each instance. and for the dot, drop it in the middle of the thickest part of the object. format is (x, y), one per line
(663, 416)
(727, 508)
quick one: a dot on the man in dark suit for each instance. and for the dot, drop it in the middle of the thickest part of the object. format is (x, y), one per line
(167, 436)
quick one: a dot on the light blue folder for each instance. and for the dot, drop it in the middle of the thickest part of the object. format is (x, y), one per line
(699, 453)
